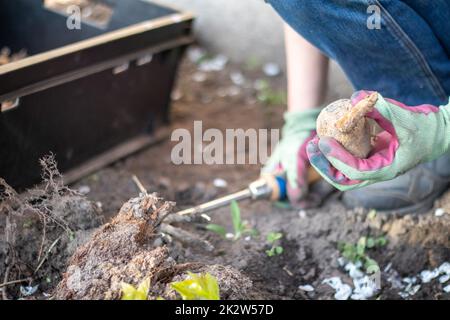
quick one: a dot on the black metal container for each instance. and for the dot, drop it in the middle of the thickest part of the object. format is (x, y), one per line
(89, 95)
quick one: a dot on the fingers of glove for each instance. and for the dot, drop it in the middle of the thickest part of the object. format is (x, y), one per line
(298, 182)
(326, 169)
(381, 157)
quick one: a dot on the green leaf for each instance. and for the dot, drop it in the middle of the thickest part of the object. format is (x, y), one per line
(370, 243)
(129, 292)
(274, 236)
(71, 235)
(252, 63)
(236, 218)
(381, 241)
(371, 266)
(220, 230)
(361, 246)
(251, 232)
(372, 214)
(197, 287)
(279, 250)
(270, 253)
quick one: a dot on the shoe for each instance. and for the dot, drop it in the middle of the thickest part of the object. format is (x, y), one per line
(413, 192)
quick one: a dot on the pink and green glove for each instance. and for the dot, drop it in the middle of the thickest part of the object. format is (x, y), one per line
(290, 158)
(411, 135)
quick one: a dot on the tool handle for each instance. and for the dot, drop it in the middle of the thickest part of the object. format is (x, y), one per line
(281, 193)
(277, 185)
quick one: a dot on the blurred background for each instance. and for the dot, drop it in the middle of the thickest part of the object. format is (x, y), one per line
(244, 30)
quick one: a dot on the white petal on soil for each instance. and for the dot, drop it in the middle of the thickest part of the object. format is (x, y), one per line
(412, 290)
(395, 281)
(444, 268)
(229, 236)
(409, 280)
(333, 282)
(217, 63)
(84, 190)
(439, 212)
(195, 54)
(302, 214)
(341, 261)
(343, 291)
(365, 288)
(237, 78)
(447, 289)
(28, 290)
(353, 270)
(444, 278)
(426, 275)
(388, 267)
(220, 183)
(306, 287)
(271, 69)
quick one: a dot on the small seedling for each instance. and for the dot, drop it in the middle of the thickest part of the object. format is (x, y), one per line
(268, 95)
(198, 287)
(372, 214)
(272, 238)
(129, 292)
(252, 63)
(240, 228)
(357, 252)
(220, 230)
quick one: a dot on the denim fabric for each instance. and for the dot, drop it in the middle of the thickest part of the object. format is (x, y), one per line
(407, 59)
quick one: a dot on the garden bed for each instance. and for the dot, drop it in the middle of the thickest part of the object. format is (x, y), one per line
(317, 244)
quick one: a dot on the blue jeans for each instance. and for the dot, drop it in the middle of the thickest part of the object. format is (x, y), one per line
(407, 59)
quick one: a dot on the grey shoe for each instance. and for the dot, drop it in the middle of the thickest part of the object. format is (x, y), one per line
(413, 192)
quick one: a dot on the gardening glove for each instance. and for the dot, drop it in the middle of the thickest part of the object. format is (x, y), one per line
(410, 136)
(289, 158)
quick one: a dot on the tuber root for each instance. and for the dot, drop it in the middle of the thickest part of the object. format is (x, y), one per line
(347, 124)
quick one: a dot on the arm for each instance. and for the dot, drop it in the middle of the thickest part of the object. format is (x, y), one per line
(307, 71)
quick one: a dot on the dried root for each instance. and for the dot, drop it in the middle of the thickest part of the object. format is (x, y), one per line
(37, 229)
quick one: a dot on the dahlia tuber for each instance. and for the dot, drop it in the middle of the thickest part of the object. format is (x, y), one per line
(347, 124)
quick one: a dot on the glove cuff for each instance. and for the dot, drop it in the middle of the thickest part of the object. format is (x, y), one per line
(445, 111)
(300, 121)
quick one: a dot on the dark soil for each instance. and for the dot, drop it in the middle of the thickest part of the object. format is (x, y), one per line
(310, 238)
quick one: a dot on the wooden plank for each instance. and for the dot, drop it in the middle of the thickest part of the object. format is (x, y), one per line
(115, 154)
(95, 41)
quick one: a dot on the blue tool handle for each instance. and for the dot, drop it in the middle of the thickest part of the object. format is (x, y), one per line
(282, 188)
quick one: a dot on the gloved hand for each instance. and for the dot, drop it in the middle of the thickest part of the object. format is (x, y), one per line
(289, 157)
(411, 135)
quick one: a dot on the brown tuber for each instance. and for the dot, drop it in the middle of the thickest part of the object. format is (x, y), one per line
(347, 124)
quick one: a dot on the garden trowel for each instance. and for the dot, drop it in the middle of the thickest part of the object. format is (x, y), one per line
(268, 187)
